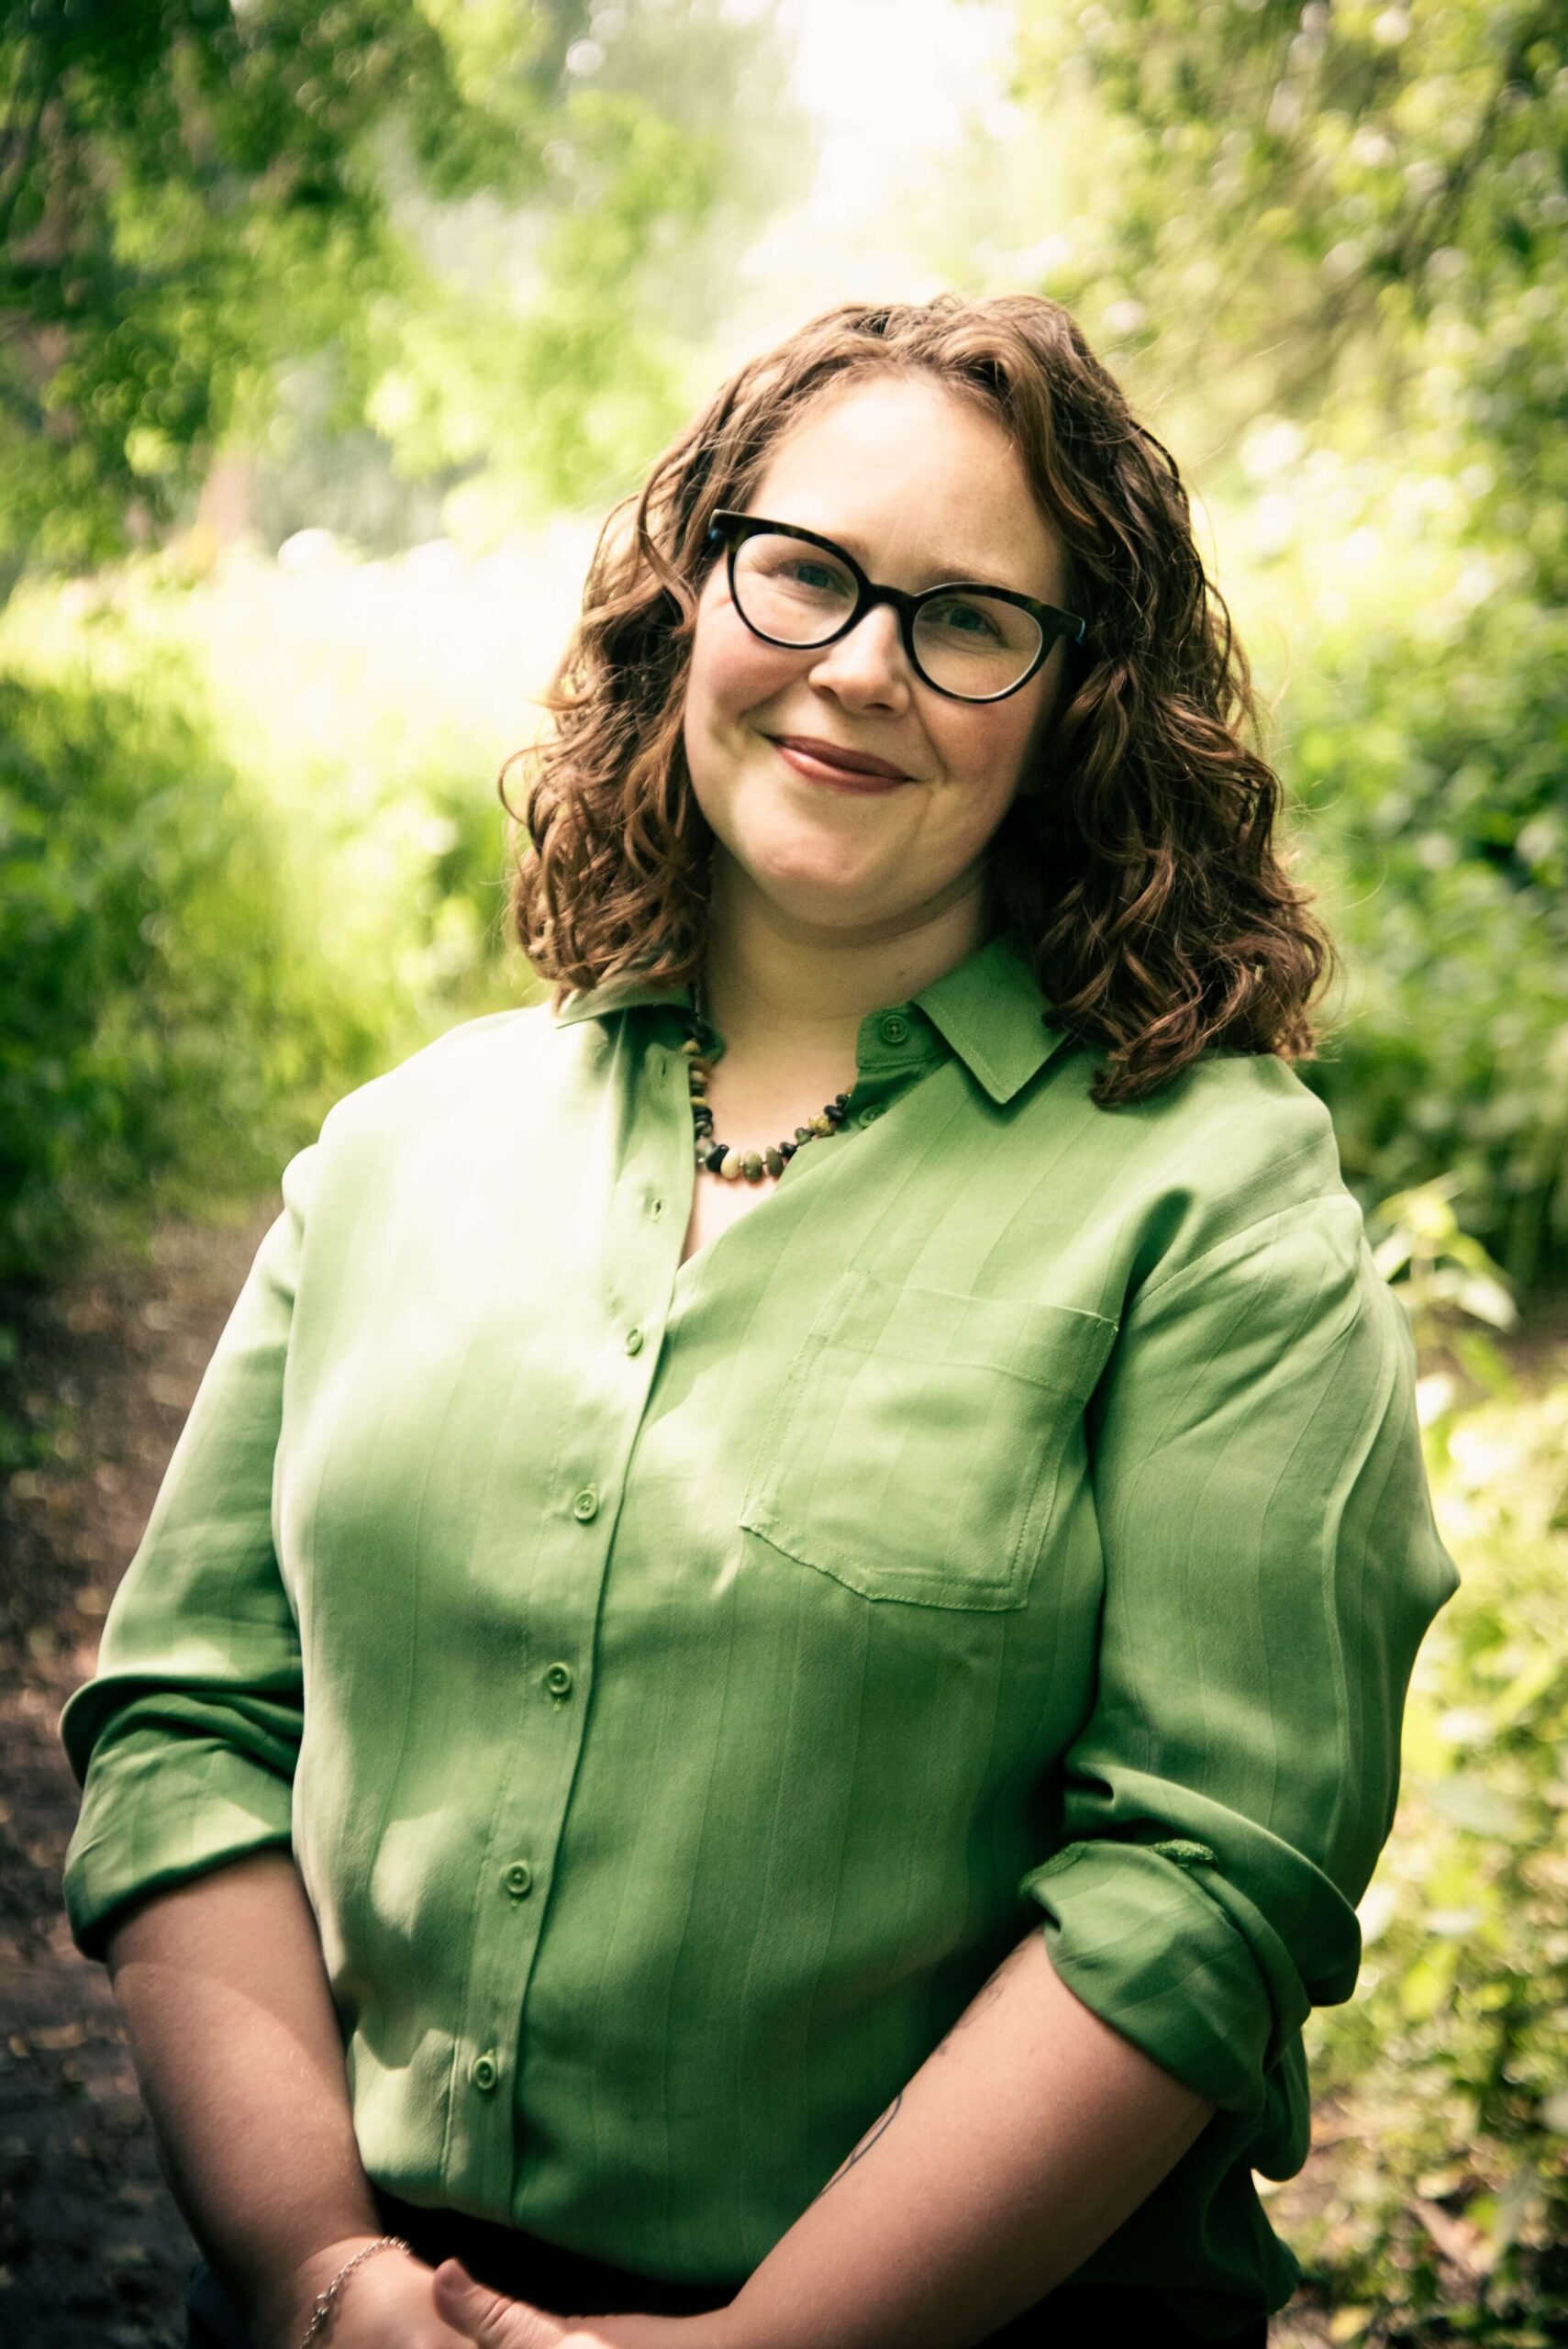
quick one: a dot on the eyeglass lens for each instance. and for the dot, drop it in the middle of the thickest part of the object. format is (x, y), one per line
(968, 644)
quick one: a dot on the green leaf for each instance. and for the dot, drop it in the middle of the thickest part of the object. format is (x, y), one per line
(1479, 1808)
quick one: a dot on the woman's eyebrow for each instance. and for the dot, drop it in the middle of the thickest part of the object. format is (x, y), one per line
(980, 575)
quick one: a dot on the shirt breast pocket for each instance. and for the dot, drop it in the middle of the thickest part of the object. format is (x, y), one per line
(915, 1446)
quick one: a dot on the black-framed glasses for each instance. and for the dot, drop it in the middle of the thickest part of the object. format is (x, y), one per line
(971, 641)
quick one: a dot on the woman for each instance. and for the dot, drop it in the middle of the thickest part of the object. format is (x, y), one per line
(792, 1786)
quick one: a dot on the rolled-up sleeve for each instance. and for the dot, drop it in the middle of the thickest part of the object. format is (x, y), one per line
(184, 1742)
(1271, 1564)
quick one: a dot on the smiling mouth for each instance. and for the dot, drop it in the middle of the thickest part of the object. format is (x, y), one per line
(818, 768)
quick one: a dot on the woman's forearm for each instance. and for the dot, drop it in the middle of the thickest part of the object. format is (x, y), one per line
(1023, 2141)
(235, 2039)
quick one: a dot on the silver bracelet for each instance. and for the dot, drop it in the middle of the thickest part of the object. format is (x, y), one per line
(325, 2301)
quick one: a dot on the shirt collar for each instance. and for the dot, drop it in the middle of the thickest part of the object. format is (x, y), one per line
(989, 1009)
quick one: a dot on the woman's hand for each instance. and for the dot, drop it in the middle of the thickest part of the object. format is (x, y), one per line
(395, 2301)
(388, 2303)
(491, 2322)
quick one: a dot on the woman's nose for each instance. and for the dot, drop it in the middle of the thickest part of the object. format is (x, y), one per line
(870, 659)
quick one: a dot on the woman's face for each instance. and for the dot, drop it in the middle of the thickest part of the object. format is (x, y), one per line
(920, 486)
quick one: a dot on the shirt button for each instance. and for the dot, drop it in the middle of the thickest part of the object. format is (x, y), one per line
(558, 1680)
(518, 1879)
(873, 1110)
(485, 2072)
(634, 1342)
(893, 1029)
(655, 1208)
(586, 1504)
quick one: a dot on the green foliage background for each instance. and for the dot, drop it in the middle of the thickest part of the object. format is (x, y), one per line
(423, 284)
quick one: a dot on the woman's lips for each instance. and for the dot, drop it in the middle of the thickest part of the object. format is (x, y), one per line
(835, 778)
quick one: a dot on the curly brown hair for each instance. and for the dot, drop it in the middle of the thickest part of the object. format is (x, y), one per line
(1140, 875)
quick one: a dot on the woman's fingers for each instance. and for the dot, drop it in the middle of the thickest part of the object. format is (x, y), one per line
(491, 2322)
(489, 2318)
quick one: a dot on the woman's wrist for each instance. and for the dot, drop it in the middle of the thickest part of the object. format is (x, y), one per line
(280, 2319)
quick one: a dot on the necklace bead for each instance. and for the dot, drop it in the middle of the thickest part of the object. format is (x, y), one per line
(718, 1158)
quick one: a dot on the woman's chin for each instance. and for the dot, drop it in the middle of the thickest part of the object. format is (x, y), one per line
(795, 859)
(804, 893)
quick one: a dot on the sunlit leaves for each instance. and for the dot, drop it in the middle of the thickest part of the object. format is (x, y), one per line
(197, 200)
(1314, 193)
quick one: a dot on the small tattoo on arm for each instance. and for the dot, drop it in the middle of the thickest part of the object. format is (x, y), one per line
(866, 2142)
(988, 1993)
(989, 1990)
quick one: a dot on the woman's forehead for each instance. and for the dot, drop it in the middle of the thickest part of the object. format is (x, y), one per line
(902, 472)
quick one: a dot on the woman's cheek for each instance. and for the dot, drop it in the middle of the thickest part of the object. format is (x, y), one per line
(731, 670)
(746, 677)
(1000, 759)
(982, 757)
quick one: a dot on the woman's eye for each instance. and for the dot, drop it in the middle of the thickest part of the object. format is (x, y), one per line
(967, 619)
(815, 575)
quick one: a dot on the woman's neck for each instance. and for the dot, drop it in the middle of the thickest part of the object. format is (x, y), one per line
(802, 998)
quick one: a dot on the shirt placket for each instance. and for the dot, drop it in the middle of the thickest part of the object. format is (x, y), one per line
(629, 1298)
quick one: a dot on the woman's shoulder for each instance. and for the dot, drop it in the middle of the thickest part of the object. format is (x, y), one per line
(473, 1063)
(1224, 1104)
(1236, 1139)
(1256, 1090)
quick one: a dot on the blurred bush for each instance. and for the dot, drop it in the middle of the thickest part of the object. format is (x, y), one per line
(1445, 2074)
(1430, 778)
(197, 957)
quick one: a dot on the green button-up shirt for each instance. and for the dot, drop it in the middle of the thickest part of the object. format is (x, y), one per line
(682, 1684)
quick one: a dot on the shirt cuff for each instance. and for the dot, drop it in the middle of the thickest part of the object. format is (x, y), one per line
(158, 1811)
(1145, 1936)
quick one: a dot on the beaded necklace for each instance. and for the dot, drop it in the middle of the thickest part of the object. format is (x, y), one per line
(718, 1158)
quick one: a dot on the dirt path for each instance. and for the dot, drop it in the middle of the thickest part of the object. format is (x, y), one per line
(94, 2254)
